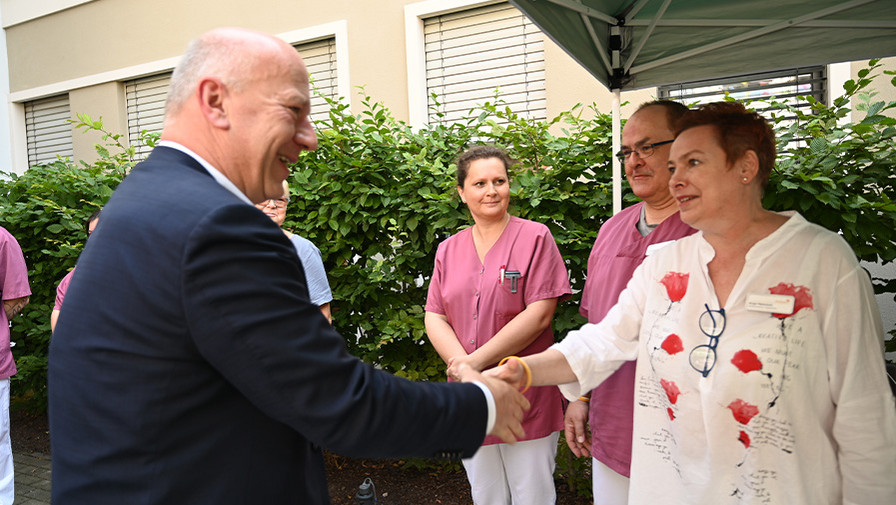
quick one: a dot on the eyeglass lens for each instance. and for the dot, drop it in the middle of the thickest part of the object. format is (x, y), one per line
(644, 151)
(712, 324)
(280, 204)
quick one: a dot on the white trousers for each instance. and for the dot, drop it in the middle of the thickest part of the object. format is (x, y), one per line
(7, 476)
(610, 488)
(518, 474)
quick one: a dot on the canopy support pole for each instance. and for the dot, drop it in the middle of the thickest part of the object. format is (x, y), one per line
(617, 145)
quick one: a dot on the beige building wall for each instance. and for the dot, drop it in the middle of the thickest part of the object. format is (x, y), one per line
(99, 44)
(104, 101)
(884, 91)
(90, 47)
(568, 84)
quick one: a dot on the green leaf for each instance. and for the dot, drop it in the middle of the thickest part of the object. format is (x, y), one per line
(818, 144)
(875, 108)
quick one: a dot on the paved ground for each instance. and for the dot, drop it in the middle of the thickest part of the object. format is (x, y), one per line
(32, 478)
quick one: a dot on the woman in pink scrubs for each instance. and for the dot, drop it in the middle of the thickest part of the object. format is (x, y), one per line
(493, 293)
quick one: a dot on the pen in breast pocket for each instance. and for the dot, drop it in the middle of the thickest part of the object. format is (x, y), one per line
(503, 269)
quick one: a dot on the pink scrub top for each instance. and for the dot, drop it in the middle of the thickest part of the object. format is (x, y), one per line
(13, 284)
(478, 304)
(62, 288)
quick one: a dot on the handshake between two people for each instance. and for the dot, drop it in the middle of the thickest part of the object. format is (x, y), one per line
(507, 382)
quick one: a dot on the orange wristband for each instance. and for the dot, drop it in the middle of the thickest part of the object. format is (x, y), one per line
(525, 367)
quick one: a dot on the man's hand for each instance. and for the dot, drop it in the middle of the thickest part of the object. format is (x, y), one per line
(575, 428)
(510, 405)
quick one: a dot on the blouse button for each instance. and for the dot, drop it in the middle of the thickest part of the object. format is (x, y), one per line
(471, 341)
(474, 316)
(476, 293)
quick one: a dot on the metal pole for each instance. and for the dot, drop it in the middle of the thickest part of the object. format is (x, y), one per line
(617, 145)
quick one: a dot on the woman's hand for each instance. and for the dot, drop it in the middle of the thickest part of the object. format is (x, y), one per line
(547, 368)
(455, 364)
(511, 372)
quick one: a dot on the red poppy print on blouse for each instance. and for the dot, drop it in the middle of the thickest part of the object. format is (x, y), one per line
(676, 285)
(801, 294)
(743, 412)
(746, 361)
(672, 344)
(744, 439)
(672, 390)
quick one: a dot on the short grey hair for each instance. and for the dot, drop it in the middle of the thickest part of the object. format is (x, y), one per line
(212, 54)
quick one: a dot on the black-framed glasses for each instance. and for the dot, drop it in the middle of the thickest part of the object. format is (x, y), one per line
(644, 151)
(712, 324)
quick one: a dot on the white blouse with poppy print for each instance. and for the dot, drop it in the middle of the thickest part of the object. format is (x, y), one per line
(778, 397)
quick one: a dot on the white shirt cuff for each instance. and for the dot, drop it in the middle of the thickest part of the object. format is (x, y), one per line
(490, 401)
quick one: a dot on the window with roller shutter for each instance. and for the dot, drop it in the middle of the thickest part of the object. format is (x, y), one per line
(47, 129)
(473, 54)
(782, 86)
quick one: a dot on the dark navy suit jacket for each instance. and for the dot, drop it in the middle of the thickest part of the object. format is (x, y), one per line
(189, 366)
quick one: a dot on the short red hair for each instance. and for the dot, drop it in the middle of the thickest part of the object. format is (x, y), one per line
(738, 130)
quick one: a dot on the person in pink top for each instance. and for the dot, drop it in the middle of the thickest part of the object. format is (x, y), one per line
(63, 284)
(622, 244)
(493, 293)
(15, 292)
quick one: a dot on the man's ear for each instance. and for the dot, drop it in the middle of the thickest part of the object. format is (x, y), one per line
(213, 95)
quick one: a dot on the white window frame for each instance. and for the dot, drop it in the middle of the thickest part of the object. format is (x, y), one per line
(21, 11)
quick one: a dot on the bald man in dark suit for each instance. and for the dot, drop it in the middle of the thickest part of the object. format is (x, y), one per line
(188, 364)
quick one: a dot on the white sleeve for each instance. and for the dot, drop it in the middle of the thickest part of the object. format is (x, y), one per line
(595, 351)
(865, 416)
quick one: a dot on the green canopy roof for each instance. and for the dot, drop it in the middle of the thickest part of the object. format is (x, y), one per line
(630, 44)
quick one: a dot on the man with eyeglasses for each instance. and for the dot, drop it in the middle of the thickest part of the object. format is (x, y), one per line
(622, 244)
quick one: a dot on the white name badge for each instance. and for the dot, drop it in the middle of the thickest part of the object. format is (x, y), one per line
(777, 304)
(652, 248)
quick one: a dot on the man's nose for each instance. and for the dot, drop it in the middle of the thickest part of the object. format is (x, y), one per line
(634, 159)
(306, 136)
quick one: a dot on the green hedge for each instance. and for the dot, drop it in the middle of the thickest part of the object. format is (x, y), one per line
(378, 196)
(46, 209)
